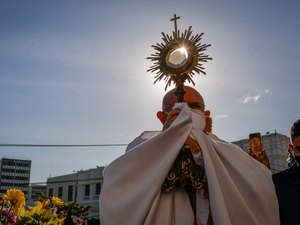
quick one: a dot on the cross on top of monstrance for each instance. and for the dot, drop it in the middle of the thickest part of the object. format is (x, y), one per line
(175, 18)
(178, 58)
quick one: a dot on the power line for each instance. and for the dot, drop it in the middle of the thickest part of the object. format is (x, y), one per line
(60, 146)
(87, 145)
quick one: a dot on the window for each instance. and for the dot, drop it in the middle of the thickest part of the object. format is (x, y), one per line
(60, 192)
(70, 193)
(98, 188)
(50, 192)
(87, 190)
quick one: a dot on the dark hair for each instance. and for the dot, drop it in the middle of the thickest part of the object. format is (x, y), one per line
(295, 130)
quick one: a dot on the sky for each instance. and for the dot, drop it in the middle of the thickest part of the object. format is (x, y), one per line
(75, 73)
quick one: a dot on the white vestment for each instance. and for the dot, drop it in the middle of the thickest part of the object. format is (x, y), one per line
(241, 189)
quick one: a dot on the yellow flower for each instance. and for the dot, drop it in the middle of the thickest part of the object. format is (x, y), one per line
(48, 214)
(45, 203)
(14, 198)
(57, 201)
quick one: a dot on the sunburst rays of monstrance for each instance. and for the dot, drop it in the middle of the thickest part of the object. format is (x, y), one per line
(178, 58)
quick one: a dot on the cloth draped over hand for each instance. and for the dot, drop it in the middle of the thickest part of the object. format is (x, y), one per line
(241, 190)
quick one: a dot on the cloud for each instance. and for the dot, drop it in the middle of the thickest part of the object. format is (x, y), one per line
(222, 116)
(249, 98)
(255, 97)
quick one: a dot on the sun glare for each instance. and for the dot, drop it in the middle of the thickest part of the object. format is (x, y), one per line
(184, 51)
(178, 57)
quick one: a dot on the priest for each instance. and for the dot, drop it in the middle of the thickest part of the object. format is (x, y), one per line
(185, 175)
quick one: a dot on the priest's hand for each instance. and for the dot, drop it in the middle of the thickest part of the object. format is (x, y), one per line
(172, 115)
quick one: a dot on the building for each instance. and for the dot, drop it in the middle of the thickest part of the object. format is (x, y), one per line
(63, 187)
(34, 191)
(83, 187)
(14, 173)
(89, 188)
(275, 146)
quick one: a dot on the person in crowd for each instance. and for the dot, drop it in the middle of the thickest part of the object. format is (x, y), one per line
(287, 182)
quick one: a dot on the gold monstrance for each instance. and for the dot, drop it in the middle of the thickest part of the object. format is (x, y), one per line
(178, 58)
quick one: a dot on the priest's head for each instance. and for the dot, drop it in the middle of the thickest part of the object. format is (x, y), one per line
(191, 96)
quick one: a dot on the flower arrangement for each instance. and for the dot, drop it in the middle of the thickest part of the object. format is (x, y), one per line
(13, 201)
(46, 210)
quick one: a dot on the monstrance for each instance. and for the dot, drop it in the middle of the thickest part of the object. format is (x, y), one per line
(178, 58)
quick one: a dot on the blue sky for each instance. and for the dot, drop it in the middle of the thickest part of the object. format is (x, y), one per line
(75, 72)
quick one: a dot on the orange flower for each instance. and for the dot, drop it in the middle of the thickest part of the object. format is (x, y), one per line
(14, 198)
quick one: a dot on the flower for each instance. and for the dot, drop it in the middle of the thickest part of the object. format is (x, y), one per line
(14, 198)
(46, 211)
(78, 221)
(7, 216)
(57, 201)
(40, 213)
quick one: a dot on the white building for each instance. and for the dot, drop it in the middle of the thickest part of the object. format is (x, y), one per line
(83, 187)
(63, 187)
(275, 146)
(89, 188)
